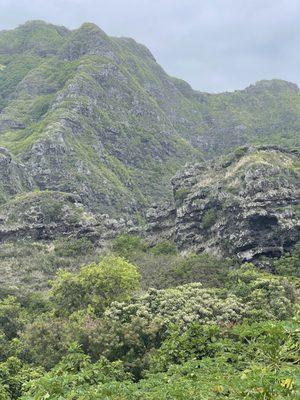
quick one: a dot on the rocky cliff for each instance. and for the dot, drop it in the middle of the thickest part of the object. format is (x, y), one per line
(246, 205)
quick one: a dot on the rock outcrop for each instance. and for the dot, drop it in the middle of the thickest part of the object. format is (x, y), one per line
(13, 179)
(245, 205)
(46, 216)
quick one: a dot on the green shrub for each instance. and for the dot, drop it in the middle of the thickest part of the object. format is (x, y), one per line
(164, 248)
(72, 247)
(10, 317)
(128, 246)
(181, 194)
(264, 295)
(204, 268)
(209, 218)
(289, 264)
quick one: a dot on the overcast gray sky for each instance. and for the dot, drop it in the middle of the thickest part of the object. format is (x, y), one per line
(215, 45)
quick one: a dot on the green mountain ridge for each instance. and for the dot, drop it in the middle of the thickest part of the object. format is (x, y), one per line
(93, 115)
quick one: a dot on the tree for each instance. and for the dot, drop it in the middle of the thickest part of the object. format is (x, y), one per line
(95, 286)
(10, 316)
(289, 264)
(265, 296)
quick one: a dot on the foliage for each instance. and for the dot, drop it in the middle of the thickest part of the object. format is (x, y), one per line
(97, 341)
(72, 247)
(13, 375)
(209, 218)
(128, 245)
(289, 264)
(73, 375)
(10, 316)
(164, 247)
(204, 268)
(181, 194)
(256, 361)
(271, 343)
(266, 296)
(96, 285)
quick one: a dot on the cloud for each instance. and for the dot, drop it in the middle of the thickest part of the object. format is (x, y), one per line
(215, 45)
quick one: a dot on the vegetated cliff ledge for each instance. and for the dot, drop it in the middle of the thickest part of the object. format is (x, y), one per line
(46, 215)
(246, 204)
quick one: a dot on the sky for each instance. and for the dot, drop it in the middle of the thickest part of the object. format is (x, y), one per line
(215, 45)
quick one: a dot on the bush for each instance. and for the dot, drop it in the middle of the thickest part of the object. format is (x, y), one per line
(96, 285)
(128, 246)
(10, 317)
(71, 247)
(289, 264)
(164, 248)
(265, 296)
(73, 375)
(204, 268)
(209, 218)
(180, 195)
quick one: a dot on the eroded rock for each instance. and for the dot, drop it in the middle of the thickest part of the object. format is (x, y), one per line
(246, 204)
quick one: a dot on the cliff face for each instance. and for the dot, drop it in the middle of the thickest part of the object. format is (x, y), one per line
(96, 116)
(12, 177)
(246, 204)
(46, 216)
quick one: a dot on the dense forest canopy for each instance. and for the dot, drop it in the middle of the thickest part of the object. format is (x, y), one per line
(96, 334)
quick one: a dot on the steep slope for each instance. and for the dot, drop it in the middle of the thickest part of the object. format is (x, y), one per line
(245, 205)
(80, 122)
(96, 116)
(265, 113)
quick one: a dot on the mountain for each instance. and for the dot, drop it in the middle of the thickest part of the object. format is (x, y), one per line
(96, 116)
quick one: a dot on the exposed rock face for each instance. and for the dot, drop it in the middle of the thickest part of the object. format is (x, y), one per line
(45, 216)
(13, 179)
(161, 220)
(245, 205)
(43, 231)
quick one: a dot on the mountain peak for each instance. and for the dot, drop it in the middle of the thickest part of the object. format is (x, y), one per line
(37, 24)
(274, 84)
(35, 36)
(90, 26)
(34, 24)
(88, 39)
